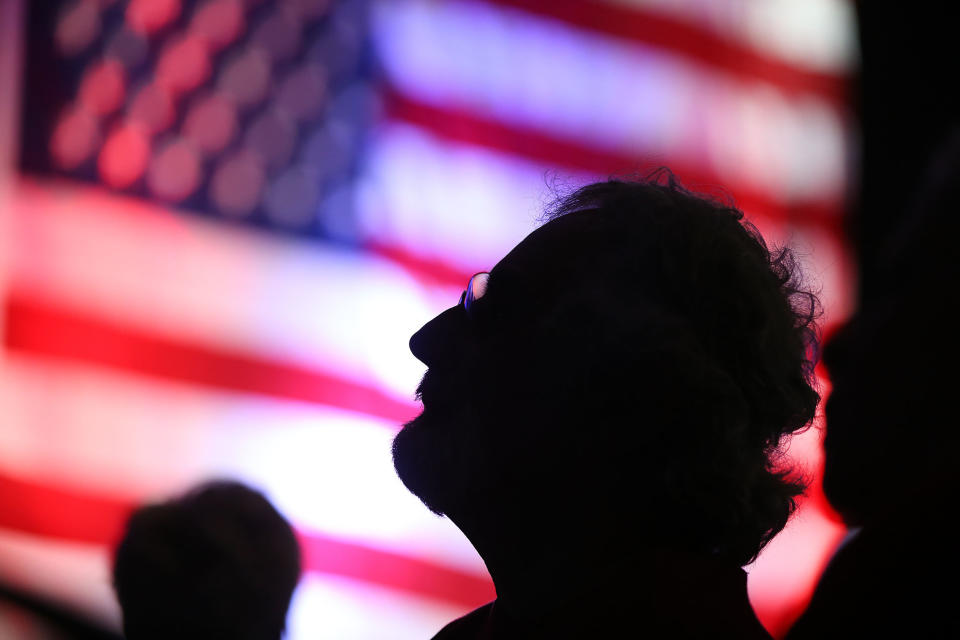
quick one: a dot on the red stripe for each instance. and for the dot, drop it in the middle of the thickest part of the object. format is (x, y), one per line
(44, 329)
(397, 571)
(425, 270)
(699, 44)
(73, 516)
(54, 512)
(463, 126)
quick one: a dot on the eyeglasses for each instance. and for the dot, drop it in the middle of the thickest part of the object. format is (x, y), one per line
(476, 287)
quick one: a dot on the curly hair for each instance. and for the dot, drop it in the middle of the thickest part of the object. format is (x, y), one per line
(706, 349)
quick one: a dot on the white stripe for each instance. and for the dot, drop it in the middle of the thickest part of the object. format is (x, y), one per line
(332, 607)
(611, 94)
(462, 205)
(340, 311)
(818, 35)
(327, 471)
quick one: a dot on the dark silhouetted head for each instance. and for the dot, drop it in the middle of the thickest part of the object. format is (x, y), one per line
(219, 562)
(891, 440)
(632, 364)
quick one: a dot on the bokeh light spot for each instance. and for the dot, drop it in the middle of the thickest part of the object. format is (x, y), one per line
(124, 155)
(308, 9)
(174, 171)
(302, 92)
(339, 47)
(77, 27)
(184, 64)
(278, 35)
(74, 138)
(330, 149)
(211, 122)
(246, 77)
(103, 87)
(291, 200)
(272, 136)
(218, 22)
(151, 108)
(237, 183)
(127, 46)
(148, 16)
(357, 101)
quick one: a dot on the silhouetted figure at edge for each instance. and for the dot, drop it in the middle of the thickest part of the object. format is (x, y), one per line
(602, 413)
(892, 436)
(219, 562)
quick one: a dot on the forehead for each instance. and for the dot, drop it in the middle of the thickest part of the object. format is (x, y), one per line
(555, 249)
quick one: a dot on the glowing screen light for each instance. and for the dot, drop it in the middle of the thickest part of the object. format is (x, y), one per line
(232, 215)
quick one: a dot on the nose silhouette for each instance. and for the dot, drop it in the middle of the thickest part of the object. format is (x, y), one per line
(441, 338)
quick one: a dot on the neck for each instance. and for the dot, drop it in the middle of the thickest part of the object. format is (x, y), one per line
(563, 578)
(538, 563)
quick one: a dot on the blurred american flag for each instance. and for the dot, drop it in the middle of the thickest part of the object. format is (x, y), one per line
(228, 217)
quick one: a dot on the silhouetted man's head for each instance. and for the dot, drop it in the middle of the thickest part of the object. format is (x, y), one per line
(633, 362)
(891, 437)
(220, 562)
